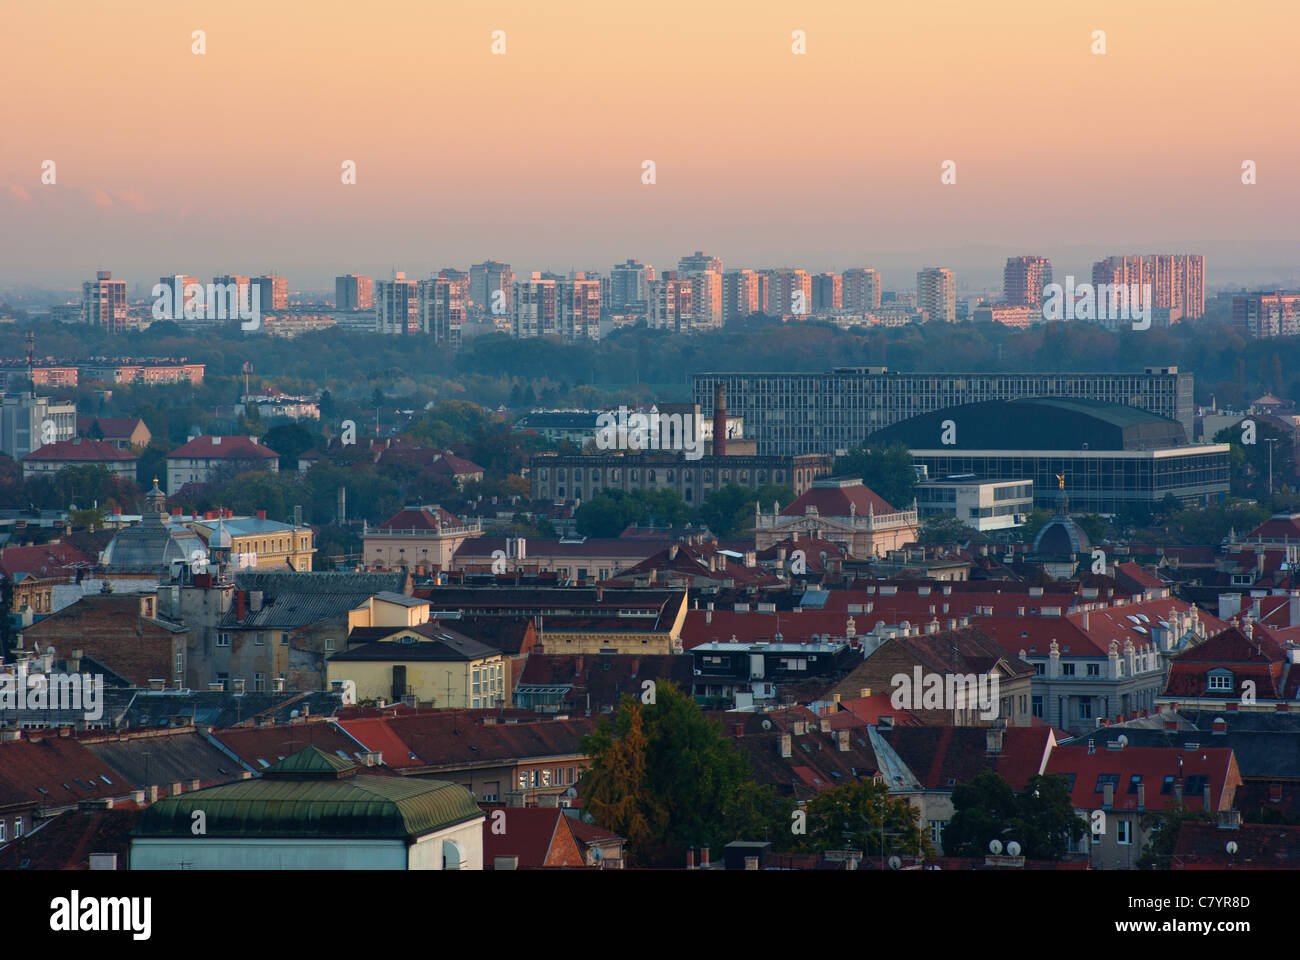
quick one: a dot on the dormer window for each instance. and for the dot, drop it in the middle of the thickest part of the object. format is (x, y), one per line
(1220, 680)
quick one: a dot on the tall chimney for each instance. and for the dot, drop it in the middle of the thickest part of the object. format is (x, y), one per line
(720, 420)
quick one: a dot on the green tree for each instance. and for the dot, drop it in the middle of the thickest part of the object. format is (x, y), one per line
(855, 814)
(696, 788)
(885, 468)
(945, 528)
(1041, 819)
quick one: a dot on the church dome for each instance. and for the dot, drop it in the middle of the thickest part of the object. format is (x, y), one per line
(1062, 537)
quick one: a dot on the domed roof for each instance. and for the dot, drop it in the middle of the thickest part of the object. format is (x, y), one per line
(313, 794)
(151, 546)
(1062, 537)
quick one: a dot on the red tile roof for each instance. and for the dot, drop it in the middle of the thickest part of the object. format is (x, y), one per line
(44, 560)
(222, 448)
(538, 836)
(1279, 527)
(53, 771)
(839, 502)
(79, 450)
(418, 518)
(942, 757)
(1155, 765)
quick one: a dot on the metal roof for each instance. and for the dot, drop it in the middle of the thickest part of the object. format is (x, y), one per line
(313, 794)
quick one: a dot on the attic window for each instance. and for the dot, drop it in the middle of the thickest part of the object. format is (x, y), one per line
(262, 762)
(106, 780)
(1105, 778)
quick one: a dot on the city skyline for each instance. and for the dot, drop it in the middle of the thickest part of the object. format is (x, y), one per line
(175, 159)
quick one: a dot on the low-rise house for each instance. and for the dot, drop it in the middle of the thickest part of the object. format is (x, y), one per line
(428, 664)
(1247, 667)
(581, 683)
(211, 459)
(47, 460)
(417, 538)
(1115, 786)
(125, 433)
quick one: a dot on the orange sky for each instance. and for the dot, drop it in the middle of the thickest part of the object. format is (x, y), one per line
(172, 162)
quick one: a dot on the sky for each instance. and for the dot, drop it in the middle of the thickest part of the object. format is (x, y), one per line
(168, 161)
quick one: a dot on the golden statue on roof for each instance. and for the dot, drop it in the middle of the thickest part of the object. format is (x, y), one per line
(1060, 480)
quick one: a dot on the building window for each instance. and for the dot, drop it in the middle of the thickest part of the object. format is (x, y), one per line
(259, 639)
(329, 643)
(223, 639)
(1038, 707)
(936, 831)
(259, 682)
(1094, 669)
(4, 830)
(1124, 832)
(18, 827)
(1221, 681)
(284, 639)
(1067, 669)
(1085, 709)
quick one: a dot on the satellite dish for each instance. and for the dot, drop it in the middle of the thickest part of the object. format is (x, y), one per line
(1013, 849)
(597, 854)
(767, 724)
(1232, 846)
(1123, 740)
(995, 846)
(571, 792)
(895, 862)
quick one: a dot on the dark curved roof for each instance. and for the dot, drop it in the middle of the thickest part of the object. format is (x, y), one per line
(1038, 423)
(1061, 537)
(314, 794)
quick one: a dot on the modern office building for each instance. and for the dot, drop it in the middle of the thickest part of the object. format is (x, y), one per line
(1103, 456)
(1275, 314)
(793, 413)
(103, 302)
(397, 306)
(1023, 280)
(354, 292)
(980, 504)
(936, 294)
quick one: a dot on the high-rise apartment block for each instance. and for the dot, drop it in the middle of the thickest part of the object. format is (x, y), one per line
(397, 306)
(1023, 280)
(936, 294)
(491, 287)
(630, 285)
(699, 262)
(440, 307)
(827, 292)
(274, 292)
(861, 289)
(547, 305)
(354, 292)
(672, 303)
(1275, 314)
(103, 302)
(789, 292)
(742, 294)
(1177, 280)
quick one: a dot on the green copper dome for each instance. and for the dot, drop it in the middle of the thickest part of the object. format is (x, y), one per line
(313, 794)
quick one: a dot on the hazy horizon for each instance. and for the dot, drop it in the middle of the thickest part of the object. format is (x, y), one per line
(230, 161)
